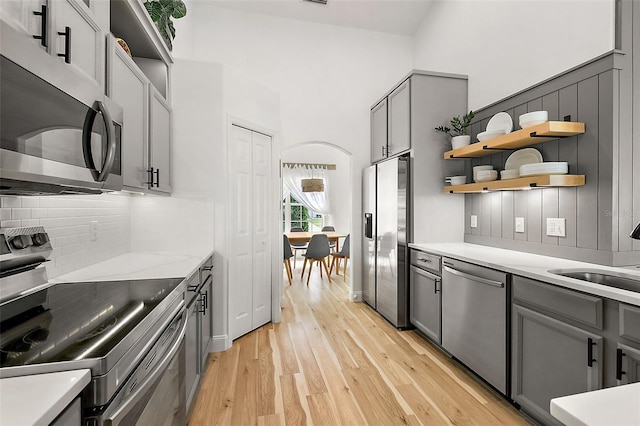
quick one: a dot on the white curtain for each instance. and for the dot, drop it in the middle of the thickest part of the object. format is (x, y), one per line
(292, 179)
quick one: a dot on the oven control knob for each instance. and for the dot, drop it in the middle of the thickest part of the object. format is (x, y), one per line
(20, 242)
(39, 239)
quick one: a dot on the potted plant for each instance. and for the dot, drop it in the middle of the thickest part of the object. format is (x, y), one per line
(161, 12)
(458, 130)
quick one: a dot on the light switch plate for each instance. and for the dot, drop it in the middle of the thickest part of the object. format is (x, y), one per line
(520, 224)
(474, 221)
(556, 227)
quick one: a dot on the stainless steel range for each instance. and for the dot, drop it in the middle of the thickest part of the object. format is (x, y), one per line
(129, 333)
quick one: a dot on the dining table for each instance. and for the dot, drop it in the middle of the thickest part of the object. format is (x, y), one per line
(305, 237)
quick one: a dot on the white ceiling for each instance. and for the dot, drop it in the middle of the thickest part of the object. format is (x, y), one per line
(389, 16)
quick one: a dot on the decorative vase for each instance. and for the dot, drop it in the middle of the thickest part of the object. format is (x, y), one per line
(460, 141)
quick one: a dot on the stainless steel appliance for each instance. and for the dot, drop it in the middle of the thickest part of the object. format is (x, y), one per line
(474, 319)
(130, 334)
(52, 143)
(385, 239)
(426, 294)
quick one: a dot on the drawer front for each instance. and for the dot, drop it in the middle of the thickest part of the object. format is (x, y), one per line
(630, 322)
(430, 262)
(562, 302)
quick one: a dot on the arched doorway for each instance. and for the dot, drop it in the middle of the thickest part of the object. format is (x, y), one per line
(337, 186)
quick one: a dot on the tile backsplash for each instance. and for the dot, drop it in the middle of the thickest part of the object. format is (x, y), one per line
(68, 221)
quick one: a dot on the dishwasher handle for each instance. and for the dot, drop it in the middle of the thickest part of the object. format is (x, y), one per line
(473, 277)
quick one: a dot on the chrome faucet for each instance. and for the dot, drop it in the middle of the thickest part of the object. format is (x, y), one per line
(636, 233)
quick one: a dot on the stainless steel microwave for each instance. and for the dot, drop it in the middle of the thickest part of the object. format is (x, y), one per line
(52, 143)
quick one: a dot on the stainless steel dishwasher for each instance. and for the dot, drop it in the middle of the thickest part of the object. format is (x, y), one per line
(474, 319)
(425, 294)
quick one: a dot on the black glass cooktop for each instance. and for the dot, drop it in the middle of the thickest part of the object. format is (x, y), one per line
(73, 321)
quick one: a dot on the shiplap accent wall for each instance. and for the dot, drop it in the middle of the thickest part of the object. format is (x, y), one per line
(599, 215)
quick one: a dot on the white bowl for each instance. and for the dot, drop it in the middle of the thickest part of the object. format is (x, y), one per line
(486, 175)
(509, 174)
(476, 169)
(533, 118)
(456, 180)
(489, 134)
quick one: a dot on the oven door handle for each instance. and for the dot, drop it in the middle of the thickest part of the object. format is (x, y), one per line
(123, 408)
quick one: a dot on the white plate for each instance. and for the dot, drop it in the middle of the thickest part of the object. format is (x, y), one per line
(522, 157)
(550, 168)
(509, 174)
(500, 121)
(489, 134)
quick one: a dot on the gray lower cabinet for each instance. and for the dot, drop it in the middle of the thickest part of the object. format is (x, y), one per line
(192, 356)
(627, 364)
(551, 358)
(71, 416)
(205, 322)
(425, 302)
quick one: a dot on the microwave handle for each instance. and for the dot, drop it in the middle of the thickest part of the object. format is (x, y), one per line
(86, 142)
(111, 141)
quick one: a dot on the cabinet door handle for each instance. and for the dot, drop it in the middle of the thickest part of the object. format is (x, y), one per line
(619, 372)
(383, 148)
(43, 25)
(153, 182)
(67, 44)
(590, 345)
(435, 286)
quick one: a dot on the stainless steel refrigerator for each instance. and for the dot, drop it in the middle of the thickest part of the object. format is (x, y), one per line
(385, 238)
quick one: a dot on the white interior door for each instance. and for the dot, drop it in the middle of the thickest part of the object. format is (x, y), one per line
(250, 244)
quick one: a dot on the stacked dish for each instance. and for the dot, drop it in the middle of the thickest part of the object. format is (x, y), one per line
(456, 180)
(533, 118)
(518, 159)
(483, 171)
(549, 168)
(489, 134)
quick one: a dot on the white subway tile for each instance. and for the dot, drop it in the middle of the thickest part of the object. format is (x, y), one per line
(20, 213)
(10, 202)
(30, 202)
(10, 224)
(5, 214)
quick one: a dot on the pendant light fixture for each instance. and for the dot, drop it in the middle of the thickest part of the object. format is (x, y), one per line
(312, 185)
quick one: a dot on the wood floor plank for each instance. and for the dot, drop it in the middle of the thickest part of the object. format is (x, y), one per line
(310, 369)
(332, 361)
(266, 396)
(293, 412)
(348, 411)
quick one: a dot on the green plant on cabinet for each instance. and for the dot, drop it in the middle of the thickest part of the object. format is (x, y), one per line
(161, 12)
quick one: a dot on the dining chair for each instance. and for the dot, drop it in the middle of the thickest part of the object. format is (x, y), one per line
(297, 246)
(329, 228)
(342, 254)
(317, 251)
(287, 257)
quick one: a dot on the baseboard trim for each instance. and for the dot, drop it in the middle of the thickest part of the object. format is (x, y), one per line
(220, 343)
(356, 296)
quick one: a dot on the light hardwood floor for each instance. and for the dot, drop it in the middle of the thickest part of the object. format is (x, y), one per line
(334, 362)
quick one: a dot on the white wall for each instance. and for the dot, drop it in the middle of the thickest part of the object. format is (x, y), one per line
(340, 195)
(327, 77)
(67, 219)
(507, 46)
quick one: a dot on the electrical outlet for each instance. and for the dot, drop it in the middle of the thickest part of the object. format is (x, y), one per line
(556, 227)
(520, 224)
(474, 221)
(93, 230)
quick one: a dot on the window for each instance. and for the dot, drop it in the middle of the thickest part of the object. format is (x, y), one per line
(295, 214)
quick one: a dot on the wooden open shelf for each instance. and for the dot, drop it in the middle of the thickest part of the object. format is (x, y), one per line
(517, 184)
(544, 132)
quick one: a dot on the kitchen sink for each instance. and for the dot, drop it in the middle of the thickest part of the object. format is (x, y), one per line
(610, 279)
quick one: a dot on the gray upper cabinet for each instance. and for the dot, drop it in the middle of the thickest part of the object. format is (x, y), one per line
(129, 88)
(551, 359)
(391, 123)
(60, 41)
(399, 116)
(379, 131)
(160, 142)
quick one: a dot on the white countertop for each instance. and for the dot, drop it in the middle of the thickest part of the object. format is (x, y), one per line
(40, 398)
(138, 266)
(534, 266)
(619, 406)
